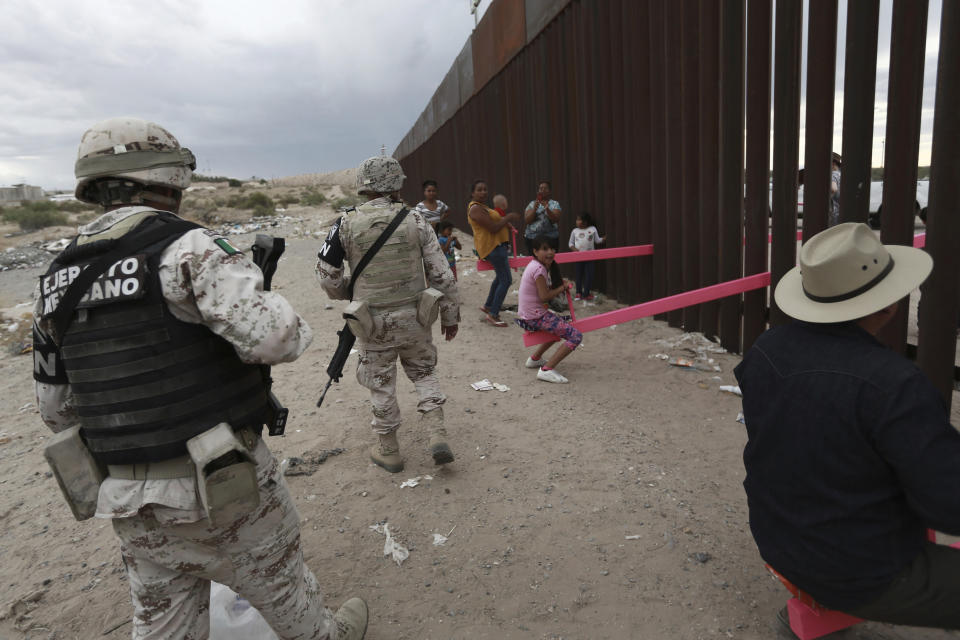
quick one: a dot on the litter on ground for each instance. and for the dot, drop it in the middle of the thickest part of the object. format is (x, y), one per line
(391, 547)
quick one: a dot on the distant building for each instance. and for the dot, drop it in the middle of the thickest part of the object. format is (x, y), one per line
(19, 192)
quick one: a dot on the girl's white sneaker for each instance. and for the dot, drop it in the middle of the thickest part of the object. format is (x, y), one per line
(551, 375)
(535, 364)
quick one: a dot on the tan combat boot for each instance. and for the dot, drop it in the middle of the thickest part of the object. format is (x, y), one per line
(439, 448)
(387, 453)
(351, 620)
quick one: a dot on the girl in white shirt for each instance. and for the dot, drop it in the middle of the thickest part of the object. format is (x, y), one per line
(584, 237)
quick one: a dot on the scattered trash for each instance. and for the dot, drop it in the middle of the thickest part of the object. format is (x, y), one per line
(25, 407)
(412, 482)
(391, 547)
(440, 539)
(690, 364)
(307, 465)
(660, 356)
(634, 537)
(740, 418)
(734, 389)
(486, 385)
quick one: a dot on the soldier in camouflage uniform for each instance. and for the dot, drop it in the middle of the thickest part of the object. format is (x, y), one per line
(121, 371)
(390, 285)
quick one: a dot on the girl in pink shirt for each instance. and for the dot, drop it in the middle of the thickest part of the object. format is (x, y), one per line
(535, 293)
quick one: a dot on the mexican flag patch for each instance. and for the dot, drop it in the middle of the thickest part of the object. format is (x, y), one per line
(228, 248)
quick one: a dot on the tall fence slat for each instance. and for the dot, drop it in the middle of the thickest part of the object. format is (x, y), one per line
(902, 148)
(731, 165)
(759, 20)
(709, 156)
(859, 85)
(786, 144)
(690, 150)
(821, 92)
(940, 309)
(657, 132)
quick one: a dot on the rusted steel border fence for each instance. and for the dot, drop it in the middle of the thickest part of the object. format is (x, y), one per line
(656, 118)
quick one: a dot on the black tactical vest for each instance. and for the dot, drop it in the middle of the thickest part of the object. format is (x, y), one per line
(144, 382)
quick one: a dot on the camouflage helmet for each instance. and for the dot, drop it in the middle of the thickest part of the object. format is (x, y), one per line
(134, 151)
(379, 174)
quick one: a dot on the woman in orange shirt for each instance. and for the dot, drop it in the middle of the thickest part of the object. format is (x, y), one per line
(491, 239)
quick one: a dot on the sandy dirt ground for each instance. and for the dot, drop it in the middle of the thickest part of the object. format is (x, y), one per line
(611, 507)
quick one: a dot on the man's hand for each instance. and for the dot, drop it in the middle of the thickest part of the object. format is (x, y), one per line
(449, 332)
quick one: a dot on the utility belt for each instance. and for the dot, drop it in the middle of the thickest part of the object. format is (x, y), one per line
(220, 459)
(361, 321)
(179, 467)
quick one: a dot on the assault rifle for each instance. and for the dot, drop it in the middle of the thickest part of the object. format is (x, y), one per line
(345, 340)
(266, 252)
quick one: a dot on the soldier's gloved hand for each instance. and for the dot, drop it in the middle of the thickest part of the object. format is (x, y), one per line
(449, 332)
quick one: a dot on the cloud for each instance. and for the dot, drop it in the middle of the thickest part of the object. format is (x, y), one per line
(278, 88)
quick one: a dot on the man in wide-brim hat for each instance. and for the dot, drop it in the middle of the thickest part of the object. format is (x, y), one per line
(851, 455)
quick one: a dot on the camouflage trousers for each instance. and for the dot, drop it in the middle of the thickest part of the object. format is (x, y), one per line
(377, 371)
(170, 567)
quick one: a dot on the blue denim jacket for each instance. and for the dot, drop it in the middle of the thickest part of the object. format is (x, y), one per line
(850, 457)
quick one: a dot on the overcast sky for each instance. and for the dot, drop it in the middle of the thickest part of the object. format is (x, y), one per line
(270, 89)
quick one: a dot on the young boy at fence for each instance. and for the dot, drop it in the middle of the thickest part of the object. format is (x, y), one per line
(536, 291)
(584, 237)
(448, 242)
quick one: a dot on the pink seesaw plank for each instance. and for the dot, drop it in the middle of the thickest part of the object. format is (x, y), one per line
(809, 624)
(678, 301)
(580, 256)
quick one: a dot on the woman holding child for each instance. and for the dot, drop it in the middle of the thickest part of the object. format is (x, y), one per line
(491, 239)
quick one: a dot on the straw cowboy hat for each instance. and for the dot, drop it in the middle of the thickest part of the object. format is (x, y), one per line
(845, 274)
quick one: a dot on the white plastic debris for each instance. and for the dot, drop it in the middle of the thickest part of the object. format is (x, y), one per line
(734, 389)
(486, 385)
(25, 407)
(440, 539)
(740, 418)
(660, 356)
(636, 537)
(391, 547)
(412, 482)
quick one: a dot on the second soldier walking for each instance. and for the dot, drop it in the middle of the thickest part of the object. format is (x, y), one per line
(398, 295)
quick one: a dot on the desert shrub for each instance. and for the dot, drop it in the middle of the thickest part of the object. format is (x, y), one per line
(312, 198)
(346, 202)
(288, 199)
(233, 182)
(75, 206)
(201, 178)
(36, 215)
(258, 201)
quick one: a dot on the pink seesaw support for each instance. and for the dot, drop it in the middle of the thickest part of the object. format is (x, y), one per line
(580, 256)
(671, 303)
